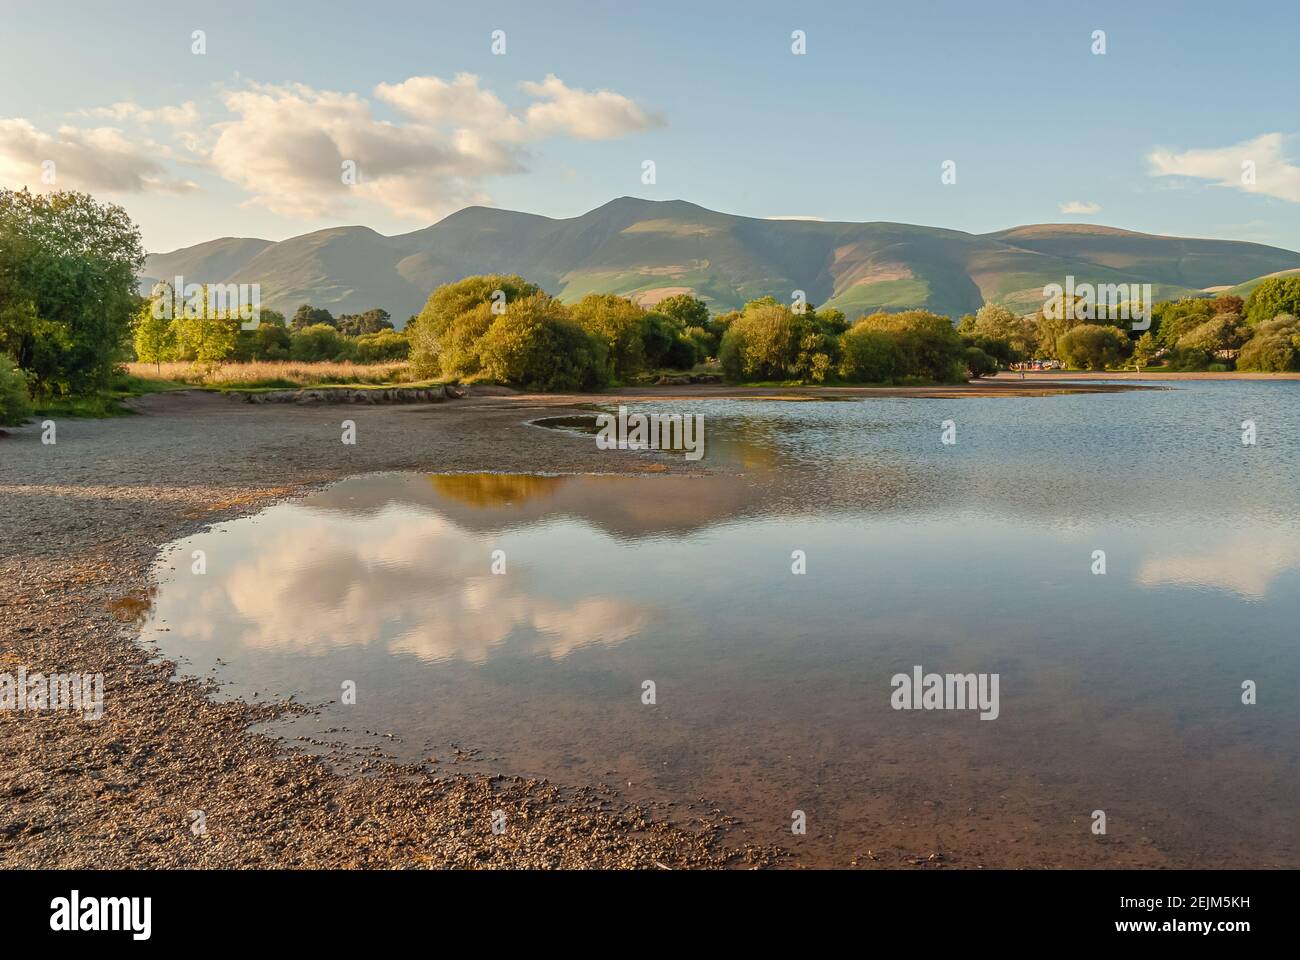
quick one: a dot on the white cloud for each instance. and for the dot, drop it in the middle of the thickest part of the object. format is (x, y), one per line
(1083, 207)
(181, 117)
(97, 158)
(287, 145)
(602, 115)
(1274, 175)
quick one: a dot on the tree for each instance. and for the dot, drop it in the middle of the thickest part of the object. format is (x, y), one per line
(620, 323)
(1275, 347)
(535, 345)
(979, 364)
(928, 346)
(685, 310)
(1093, 346)
(386, 345)
(270, 341)
(15, 406)
(68, 267)
(318, 342)
(203, 334)
(763, 343)
(1272, 298)
(868, 355)
(450, 301)
(1147, 348)
(155, 338)
(995, 322)
(309, 316)
(360, 324)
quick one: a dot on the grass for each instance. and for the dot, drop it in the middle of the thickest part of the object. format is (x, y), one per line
(144, 378)
(273, 375)
(107, 403)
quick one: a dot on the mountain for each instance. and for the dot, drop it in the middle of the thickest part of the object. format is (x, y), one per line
(650, 249)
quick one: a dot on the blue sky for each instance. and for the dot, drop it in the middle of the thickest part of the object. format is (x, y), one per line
(855, 129)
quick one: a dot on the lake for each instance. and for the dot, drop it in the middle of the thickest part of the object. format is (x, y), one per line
(1119, 692)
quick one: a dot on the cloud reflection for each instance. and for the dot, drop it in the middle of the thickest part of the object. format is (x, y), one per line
(311, 581)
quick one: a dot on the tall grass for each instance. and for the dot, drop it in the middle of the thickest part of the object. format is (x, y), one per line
(273, 373)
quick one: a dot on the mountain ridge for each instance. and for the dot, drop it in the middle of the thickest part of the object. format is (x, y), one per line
(649, 249)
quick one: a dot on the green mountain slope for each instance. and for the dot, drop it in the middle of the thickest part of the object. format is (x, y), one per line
(652, 249)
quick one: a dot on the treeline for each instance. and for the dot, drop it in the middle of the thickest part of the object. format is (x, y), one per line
(506, 329)
(1258, 334)
(70, 316)
(209, 337)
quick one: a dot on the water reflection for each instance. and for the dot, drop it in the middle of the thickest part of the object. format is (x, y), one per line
(773, 689)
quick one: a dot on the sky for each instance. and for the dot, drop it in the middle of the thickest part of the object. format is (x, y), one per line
(1188, 123)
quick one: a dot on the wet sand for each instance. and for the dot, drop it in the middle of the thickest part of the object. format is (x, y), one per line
(82, 523)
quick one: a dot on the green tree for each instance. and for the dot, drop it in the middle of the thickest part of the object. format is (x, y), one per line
(449, 302)
(68, 267)
(360, 324)
(1274, 348)
(155, 338)
(685, 311)
(308, 316)
(1093, 346)
(317, 343)
(1272, 298)
(15, 405)
(270, 341)
(618, 322)
(995, 322)
(763, 344)
(868, 355)
(381, 347)
(203, 334)
(928, 346)
(535, 345)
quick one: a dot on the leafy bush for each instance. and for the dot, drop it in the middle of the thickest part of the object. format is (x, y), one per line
(1093, 346)
(928, 346)
(1276, 296)
(15, 407)
(868, 355)
(535, 345)
(382, 346)
(980, 364)
(320, 341)
(427, 332)
(762, 344)
(1275, 347)
(621, 324)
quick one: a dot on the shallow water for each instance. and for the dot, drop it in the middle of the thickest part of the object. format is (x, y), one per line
(1119, 692)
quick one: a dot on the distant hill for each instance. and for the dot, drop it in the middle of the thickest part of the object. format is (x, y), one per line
(650, 249)
(1244, 290)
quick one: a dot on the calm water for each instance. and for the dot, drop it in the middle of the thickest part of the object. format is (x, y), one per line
(1119, 692)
